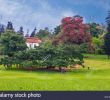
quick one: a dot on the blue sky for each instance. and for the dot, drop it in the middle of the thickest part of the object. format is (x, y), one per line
(48, 13)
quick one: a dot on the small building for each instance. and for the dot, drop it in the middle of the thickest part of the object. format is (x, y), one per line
(32, 42)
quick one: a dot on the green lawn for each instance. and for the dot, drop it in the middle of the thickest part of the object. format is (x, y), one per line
(97, 78)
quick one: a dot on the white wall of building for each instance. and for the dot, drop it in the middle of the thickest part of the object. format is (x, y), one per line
(32, 45)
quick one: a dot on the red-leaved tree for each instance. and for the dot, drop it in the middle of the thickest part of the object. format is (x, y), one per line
(75, 31)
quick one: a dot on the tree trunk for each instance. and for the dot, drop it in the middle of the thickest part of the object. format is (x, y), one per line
(60, 69)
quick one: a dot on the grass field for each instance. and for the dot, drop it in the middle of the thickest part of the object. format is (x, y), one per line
(97, 78)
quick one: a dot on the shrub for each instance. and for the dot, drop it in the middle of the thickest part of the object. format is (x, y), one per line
(98, 45)
(27, 64)
(84, 48)
(7, 62)
(47, 56)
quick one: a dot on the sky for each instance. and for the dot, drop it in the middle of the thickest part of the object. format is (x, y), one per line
(48, 13)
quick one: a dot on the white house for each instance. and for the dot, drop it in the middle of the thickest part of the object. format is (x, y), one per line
(32, 42)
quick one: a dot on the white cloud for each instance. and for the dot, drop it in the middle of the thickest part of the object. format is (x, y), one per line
(68, 13)
(40, 13)
(21, 13)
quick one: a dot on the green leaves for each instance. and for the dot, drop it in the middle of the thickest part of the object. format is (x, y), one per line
(107, 37)
(51, 56)
(12, 42)
(45, 55)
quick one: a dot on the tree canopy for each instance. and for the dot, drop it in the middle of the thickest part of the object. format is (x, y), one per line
(21, 30)
(95, 29)
(73, 30)
(33, 33)
(43, 33)
(12, 42)
(107, 36)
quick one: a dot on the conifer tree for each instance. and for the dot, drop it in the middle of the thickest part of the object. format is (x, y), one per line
(21, 30)
(9, 26)
(2, 30)
(33, 33)
(107, 37)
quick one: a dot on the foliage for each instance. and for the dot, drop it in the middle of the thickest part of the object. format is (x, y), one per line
(74, 30)
(21, 30)
(95, 29)
(2, 30)
(84, 48)
(47, 55)
(107, 44)
(33, 33)
(7, 61)
(57, 30)
(107, 37)
(9, 26)
(26, 64)
(12, 42)
(98, 45)
(43, 33)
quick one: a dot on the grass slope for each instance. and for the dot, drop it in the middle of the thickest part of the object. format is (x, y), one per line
(97, 78)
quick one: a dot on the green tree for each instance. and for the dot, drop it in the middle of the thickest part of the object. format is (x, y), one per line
(98, 45)
(43, 33)
(57, 29)
(107, 44)
(47, 55)
(95, 29)
(10, 26)
(12, 43)
(107, 37)
(21, 31)
(2, 30)
(33, 33)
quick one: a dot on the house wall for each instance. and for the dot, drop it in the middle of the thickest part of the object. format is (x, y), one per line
(32, 45)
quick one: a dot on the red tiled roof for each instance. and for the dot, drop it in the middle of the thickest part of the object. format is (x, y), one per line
(33, 40)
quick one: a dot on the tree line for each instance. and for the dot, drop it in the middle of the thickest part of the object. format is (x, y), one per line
(61, 48)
